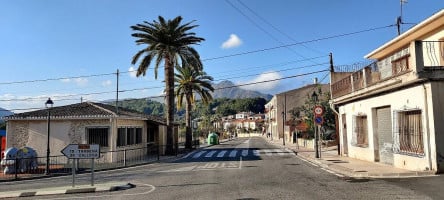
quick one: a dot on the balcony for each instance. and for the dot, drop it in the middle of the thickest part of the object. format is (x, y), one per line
(369, 76)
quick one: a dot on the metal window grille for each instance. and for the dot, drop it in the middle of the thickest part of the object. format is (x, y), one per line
(138, 135)
(130, 136)
(98, 136)
(150, 134)
(360, 131)
(121, 132)
(408, 132)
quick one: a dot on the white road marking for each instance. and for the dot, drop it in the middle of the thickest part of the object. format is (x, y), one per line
(281, 152)
(221, 154)
(244, 153)
(111, 195)
(256, 153)
(186, 156)
(198, 154)
(290, 152)
(233, 153)
(210, 154)
(268, 152)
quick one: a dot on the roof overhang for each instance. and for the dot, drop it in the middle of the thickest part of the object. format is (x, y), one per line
(418, 32)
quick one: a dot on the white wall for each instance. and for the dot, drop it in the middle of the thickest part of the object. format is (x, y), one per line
(397, 100)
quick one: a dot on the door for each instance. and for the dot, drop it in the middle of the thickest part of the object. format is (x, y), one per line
(383, 136)
(344, 135)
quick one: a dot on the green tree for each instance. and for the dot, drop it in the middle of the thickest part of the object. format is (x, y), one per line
(168, 42)
(306, 112)
(188, 83)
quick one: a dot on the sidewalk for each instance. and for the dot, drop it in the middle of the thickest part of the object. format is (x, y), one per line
(349, 166)
(101, 187)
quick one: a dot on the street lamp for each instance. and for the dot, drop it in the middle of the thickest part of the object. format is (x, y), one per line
(283, 128)
(48, 106)
(314, 97)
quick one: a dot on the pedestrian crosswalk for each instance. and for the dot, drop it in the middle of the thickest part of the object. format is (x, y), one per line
(233, 153)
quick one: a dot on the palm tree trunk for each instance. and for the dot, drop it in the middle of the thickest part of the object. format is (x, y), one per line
(169, 87)
(188, 133)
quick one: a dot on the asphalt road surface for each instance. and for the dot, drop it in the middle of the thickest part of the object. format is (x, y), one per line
(245, 168)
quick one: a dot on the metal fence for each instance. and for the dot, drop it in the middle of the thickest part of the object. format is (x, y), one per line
(22, 168)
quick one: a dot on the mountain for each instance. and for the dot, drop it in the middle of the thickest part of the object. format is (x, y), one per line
(227, 89)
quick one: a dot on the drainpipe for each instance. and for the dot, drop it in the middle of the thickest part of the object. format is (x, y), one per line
(427, 127)
(332, 107)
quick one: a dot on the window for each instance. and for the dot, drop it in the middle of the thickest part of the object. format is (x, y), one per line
(121, 132)
(360, 131)
(138, 135)
(409, 132)
(98, 136)
(129, 136)
(151, 133)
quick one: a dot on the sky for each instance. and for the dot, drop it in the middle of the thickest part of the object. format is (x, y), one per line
(70, 51)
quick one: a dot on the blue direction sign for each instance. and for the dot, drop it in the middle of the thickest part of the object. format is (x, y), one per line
(319, 120)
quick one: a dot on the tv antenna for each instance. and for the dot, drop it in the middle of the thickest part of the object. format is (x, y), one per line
(399, 19)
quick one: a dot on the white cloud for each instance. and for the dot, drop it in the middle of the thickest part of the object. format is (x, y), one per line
(132, 72)
(78, 81)
(66, 80)
(256, 84)
(232, 42)
(81, 81)
(107, 83)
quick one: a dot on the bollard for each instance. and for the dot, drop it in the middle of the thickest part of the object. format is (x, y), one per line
(124, 157)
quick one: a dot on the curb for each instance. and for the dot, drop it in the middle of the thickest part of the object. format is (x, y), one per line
(67, 190)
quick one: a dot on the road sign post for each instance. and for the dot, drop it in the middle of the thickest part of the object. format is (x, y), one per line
(82, 151)
(318, 111)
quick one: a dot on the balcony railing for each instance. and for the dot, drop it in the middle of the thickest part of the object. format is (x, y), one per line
(368, 76)
(433, 53)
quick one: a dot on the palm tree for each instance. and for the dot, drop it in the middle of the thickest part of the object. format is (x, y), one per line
(188, 83)
(168, 42)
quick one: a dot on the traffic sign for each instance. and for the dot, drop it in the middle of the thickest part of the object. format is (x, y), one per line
(319, 120)
(82, 151)
(318, 110)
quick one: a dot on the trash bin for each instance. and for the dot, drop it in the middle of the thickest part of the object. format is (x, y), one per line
(213, 138)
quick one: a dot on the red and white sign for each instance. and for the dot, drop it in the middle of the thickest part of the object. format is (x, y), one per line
(318, 110)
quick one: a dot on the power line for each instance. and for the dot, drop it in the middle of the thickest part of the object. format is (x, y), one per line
(287, 69)
(262, 29)
(157, 96)
(298, 43)
(274, 27)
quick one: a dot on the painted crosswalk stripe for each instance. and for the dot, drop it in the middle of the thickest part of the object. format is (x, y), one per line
(198, 154)
(281, 153)
(244, 153)
(210, 154)
(256, 152)
(221, 154)
(268, 152)
(233, 153)
(290, 152)
(186, 156)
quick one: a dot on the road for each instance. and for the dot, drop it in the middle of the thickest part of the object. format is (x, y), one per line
(245, 168)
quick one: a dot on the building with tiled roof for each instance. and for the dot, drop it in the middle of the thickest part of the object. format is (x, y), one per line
(85, 123)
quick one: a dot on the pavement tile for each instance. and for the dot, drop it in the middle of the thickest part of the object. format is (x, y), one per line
(349, 166)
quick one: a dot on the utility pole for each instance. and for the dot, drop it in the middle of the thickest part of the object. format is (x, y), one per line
(117, 92)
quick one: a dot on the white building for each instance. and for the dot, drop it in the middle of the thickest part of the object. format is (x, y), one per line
(392, 110)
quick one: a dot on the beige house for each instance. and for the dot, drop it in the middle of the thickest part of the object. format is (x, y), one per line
(282, 103)
(391, 111)
(86, 123)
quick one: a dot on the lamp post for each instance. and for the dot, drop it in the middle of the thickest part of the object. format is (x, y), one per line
(314, 97)
(48, 106)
